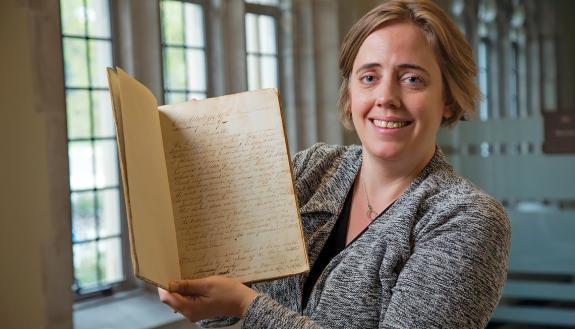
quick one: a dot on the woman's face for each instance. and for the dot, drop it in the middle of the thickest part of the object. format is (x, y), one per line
(396, 94)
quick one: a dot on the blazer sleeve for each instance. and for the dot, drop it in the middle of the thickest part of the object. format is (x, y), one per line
(265, 313)
(456, 272)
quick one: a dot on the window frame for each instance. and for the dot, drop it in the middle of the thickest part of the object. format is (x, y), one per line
(208, 44)
(128, 282)
(276, 12)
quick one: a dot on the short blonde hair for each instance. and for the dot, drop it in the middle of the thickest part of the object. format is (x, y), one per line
(453, 53)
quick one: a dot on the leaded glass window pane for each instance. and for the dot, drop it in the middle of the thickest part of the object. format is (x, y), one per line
(93, 159)
(261, 46)
(83, 216)
(75, 62)
(483, 76)
(86, 264)
(110, 265)
(184, 51)
(79, 120)
(97, 14)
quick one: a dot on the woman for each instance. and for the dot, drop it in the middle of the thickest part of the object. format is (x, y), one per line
(395, 238)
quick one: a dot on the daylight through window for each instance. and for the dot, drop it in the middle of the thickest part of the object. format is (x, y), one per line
(184, 51)
(95, 194)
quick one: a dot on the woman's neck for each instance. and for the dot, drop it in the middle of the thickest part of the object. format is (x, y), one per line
(385, 180)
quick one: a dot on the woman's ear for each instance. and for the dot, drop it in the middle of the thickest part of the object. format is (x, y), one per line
(446, 115)
(447, 112)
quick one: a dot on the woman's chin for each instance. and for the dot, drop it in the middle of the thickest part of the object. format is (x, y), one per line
(385, 152)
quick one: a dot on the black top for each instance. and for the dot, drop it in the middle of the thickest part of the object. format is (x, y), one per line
(333, 246)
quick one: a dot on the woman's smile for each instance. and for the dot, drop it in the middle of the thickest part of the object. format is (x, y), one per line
(390, 124)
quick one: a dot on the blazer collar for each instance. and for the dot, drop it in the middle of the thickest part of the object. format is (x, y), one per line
(331, 194)
(335, 185)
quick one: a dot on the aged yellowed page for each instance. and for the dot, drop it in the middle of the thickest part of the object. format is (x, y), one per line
(114, 88)
(233, 198)
(150, 208)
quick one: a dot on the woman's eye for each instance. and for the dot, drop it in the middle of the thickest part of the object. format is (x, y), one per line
(368, 79)
(414, 80)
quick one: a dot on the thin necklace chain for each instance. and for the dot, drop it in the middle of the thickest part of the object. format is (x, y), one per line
(369, 213)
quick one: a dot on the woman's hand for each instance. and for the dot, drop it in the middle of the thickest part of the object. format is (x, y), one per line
(207, 298)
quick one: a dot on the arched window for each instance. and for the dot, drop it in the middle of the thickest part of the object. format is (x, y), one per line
(487, 58)
(517, 61)
(94, 179)
(183, 50)
(458, 9)
(262, 43)
(533, 52)
(550, 90)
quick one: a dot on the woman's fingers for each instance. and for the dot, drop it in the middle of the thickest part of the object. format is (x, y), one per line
(170, 299)
(204, 298)
(199, 287)
(164, 295)
(192, 308)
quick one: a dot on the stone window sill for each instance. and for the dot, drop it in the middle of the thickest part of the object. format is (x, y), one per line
(128, 310)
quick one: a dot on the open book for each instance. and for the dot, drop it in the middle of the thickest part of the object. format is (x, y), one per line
(208, 186)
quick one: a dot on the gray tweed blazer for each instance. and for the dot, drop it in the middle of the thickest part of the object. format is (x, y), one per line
(437, 258)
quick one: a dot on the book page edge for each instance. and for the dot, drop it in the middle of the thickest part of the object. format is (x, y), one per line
(115, 96)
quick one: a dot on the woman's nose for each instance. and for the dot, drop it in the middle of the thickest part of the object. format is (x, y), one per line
(387, 95)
